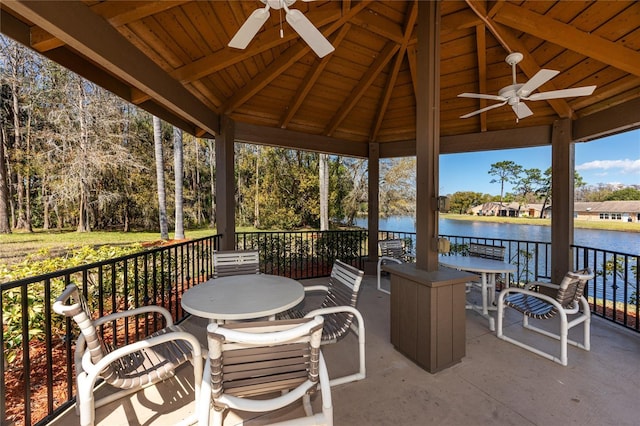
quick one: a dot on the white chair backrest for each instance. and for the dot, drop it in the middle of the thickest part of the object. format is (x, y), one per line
(486, 251)
(232, 262)
(251, 359)
(392, 248)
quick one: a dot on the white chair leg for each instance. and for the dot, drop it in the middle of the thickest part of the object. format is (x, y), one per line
(85, 400)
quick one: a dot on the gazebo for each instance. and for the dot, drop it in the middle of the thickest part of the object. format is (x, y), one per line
(389, 89)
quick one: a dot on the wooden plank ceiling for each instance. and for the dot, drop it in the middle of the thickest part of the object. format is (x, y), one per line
(365, 90)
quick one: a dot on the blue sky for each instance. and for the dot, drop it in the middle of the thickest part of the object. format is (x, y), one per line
(614, 159)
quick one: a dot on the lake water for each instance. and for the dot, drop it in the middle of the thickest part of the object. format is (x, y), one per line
(615, 241)
(623, 242)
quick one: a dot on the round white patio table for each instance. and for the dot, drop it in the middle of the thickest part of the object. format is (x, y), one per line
(241, 297)
(487, 268)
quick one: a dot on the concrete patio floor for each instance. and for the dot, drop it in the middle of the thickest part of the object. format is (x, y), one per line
(496, 383)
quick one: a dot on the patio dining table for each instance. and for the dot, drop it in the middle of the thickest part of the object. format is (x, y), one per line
(242, 297)
(487, 268)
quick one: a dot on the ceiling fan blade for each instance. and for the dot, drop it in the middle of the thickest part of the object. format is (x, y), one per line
(471, 114)
(250, 28)
(562, 93)
(536, 81)
(309, 33)
(482, 96)
(521, 110)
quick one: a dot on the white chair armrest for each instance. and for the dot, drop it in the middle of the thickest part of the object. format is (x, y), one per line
(310, 288)
(388, 259)
(535, 294)
(531, 284)
(96, 368)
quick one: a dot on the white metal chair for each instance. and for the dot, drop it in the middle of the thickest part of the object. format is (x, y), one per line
(568, 301)
(264, 366)
(130, 367)
(339, 310)
(393, 251)
(235, 262)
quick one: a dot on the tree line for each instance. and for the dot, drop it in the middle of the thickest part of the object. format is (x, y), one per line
(534, 186)
(74, 156)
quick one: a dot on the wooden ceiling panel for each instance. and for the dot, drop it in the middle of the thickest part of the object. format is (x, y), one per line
(365, 90)
(204, 21)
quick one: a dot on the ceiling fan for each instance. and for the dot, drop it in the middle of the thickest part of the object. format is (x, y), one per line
(300, 23)
(515, 93)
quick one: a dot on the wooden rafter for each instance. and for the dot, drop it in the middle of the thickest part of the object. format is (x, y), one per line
(367, 79)
(379, 25)
(284, 61)
(511, 43)
(391, 80)
(310, 79)
(262, 42)
(122, 13)
(569, 37)
(103, 45)
(411, 56)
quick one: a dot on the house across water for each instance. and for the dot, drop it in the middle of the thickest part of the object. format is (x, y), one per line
(625, 211)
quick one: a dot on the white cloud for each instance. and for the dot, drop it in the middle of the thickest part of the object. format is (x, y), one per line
(619, 166)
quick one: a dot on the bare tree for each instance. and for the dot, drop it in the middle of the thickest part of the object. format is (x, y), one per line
(323, 166)
(162, 195)
(212, 161)
(5, 227)
(178, 165)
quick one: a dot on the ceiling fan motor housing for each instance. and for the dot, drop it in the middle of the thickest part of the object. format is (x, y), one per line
(278, 4)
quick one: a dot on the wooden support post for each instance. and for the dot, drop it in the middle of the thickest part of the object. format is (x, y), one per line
(225, 184)
(373, 207)
(562, 188)
(427, 135)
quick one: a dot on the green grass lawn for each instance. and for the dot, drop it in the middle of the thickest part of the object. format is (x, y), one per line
(14, 247)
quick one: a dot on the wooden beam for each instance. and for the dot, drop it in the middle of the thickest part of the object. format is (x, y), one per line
(120, 13)
(617, 119)
(367, 79)
(273, 136)
(520, 137)
(282, 63)
(92, 37)
(379, 25)
(41, 41)
(310, 79)
(460, 20)
(480, 10)
(391, 80)
(413, 67)
(569, 37)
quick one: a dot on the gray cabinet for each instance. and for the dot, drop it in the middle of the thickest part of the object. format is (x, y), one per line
(428, 315)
